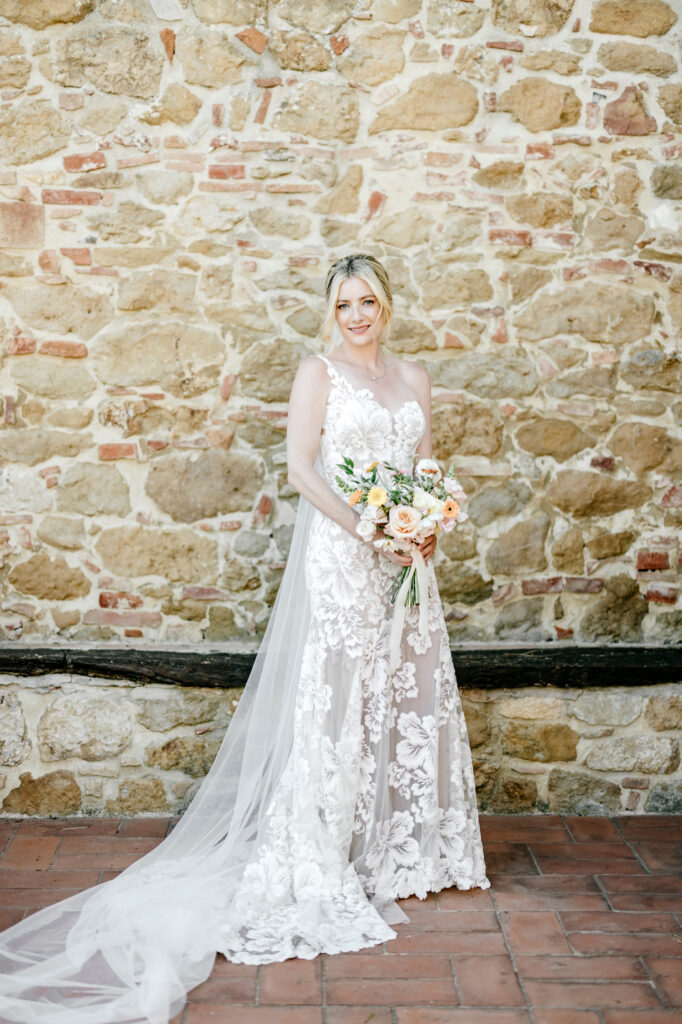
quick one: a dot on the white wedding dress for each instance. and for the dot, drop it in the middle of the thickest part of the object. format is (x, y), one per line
(340, 787)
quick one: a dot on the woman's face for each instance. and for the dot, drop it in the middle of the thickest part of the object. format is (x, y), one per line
(358, 313)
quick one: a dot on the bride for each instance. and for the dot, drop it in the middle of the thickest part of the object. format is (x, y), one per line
(341, 785)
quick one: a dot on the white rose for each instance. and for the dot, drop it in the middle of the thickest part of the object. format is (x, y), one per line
(453, 487)
(424, 501)
(365, 528)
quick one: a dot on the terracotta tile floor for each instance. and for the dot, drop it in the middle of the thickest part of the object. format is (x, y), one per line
(582, 925)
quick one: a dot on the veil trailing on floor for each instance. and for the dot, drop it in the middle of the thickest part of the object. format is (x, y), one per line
(129, 950)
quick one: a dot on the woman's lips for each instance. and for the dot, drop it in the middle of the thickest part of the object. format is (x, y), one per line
(359, 330)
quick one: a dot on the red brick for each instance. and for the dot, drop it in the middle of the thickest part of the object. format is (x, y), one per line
(396, 991)
(548, 586)
(47, 261)
(254, 39)
(70, 197)
(359, 1015)
(48, 471)
(298, 186)
(374, 205)
(657, 270)
(218, 114)
(538, 932)
(563, 634)
(539, 151)
(416, 28)
(588, 994)
(339, 44)
(167, 36)
(133, 632)
(262, 510)
(13, 518)
(605, 462)
(292, 982)
(22, 225)
(107, 452)
(20, 345)
(227, 385)
(672, 497)
(488, 981)
(510, 237)
(105, 617)
(198, 593)
(262, 111)
(65, 349)
(652, 560)
(226, 171)
(214, 1013)
(458, 1015)
(640, 1016)
(506, 44)
(119, 598)
(661, 594)
(582, 585)
(268, 83)
(82, 257)
(78, 162)
(30, 853)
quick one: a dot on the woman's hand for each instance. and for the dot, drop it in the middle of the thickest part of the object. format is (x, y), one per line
(428, 546)
(397, 557)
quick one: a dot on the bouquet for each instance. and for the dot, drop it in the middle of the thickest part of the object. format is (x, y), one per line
(406, 510)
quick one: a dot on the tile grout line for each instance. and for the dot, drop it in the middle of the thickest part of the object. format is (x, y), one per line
(652, 982)
(638, 858)
(512, 957)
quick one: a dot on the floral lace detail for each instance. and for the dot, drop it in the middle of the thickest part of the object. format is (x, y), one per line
(381, 759)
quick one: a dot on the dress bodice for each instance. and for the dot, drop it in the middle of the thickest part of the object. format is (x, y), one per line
(358, 426)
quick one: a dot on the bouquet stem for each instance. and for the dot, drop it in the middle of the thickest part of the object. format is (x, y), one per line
(412, 596)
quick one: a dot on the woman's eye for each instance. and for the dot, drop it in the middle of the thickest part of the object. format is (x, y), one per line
(369, 302)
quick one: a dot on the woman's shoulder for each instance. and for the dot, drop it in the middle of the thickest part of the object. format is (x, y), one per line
(414, 375)
(313, 371)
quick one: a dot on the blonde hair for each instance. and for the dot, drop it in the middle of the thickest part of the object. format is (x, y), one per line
(368, 268)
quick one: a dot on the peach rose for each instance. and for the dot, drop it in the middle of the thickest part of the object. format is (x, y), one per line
(404, 522)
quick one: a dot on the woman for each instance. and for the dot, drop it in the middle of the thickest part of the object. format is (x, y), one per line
(340, 786)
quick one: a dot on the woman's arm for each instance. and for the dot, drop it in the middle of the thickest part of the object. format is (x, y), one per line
(420, 382)
(307, 406)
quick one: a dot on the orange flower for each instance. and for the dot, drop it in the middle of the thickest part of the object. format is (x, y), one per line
(354, 498)
(450, 509)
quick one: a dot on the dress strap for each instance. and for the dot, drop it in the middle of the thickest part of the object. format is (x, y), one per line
(336, 377)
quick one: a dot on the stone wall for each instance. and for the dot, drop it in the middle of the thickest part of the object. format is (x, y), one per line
(76, 745)
(176, 175)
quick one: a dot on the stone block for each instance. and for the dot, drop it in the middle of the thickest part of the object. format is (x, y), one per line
(617, 614)
(610, 545)
(539, 742)
(635, 58)
(567, 551)
(324, 111)
(22, 225)
(15, 744)
(139, 796)
(35, 445)
(434, 102)
(463, 586)
(640, 18)
(467, 428)
(39, 14)
(492, 503)
(82, 725)
(62, 532)
(192, 755)
(115, 59)
(179, 555)
(374, 57)
(584, 494)
(670, 98)
(53, 378)
(598, 312)
(91, 490)
(56, 794)
(560, 438)
(627, 115)
(521, 621)
(654, 755)
(531, 17)
(532, 708)
(664, 712)
(521, 548)
(666, 181)
(579, 793)
(161, 711)
(541, 105)
(513, 795)
(31, 130)
(49, 579)
(604, 708)
(665, 798)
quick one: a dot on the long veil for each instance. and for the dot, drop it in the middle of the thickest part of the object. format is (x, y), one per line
(127, 951)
